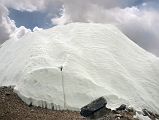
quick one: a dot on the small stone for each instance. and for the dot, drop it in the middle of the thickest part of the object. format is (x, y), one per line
(130, 109)
(118, 118)
(3, 97)
(2, 115)
(118, 115)
(146, 112)
(4, 87)
(115, 112)
(157, 116)
(150, 114)
(30, 105)
(32, 110)
(122, 107)
(7, 93)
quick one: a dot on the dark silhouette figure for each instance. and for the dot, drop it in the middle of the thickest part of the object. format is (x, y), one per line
(61, 68)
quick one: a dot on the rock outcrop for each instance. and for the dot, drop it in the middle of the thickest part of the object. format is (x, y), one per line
(97, 110)
(94, 106)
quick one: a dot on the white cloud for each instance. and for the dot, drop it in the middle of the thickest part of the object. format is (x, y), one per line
(32, 5)
(19, 32)
(7, 26)
(141, 26)
(140, 22)
(28, 5)
(63, 19)
(37, 29)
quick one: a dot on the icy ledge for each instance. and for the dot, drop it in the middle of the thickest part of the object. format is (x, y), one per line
(43, 104)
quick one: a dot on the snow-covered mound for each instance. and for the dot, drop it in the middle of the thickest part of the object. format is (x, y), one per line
(68, 66)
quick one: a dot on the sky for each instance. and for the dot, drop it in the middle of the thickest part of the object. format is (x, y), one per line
(138, 19)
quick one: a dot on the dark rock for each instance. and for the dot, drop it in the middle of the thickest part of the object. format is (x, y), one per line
(115, 112)
(30, 105)
(122, 107)
(94, 106)
(4, 87)
(146, 112)
(151, 115)
(100, 113)
(7, 93)
(157, 116)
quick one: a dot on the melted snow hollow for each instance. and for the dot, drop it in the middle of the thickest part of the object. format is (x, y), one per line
(68, 66)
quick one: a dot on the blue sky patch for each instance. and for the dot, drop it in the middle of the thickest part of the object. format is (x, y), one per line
(31, 19)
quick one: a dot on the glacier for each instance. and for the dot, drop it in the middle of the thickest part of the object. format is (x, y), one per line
(67, 66)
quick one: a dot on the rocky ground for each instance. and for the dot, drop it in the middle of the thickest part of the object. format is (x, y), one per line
(13, 108)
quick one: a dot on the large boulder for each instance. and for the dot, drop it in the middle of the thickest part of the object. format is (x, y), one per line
(94, 106)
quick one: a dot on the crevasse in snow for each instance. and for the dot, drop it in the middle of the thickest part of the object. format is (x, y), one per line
(68, 66)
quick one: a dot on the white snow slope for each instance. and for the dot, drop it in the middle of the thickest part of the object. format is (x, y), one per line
(97, 59)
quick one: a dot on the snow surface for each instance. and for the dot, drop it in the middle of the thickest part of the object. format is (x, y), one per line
(96, 60)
